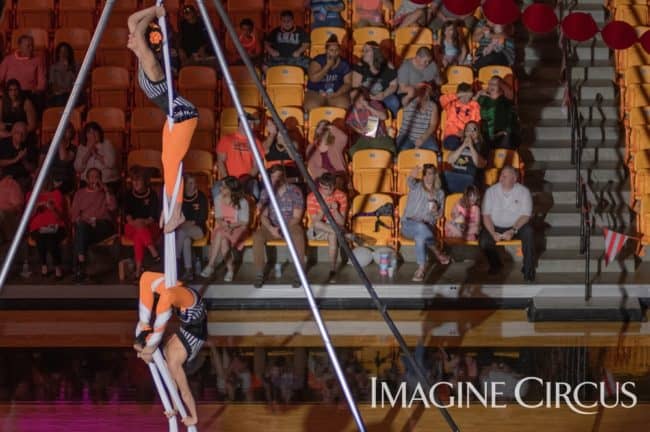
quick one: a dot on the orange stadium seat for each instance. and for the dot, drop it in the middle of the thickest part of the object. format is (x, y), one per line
(78, 38)
(285, 85)
(251, 9)
(381, 35)
(110, 87)
(228, 120)
(147, 158)
(204, 135)
(372, 171)
(320, 35)
(248, 93)
(294, 120)
(277, 6)
(111, 49)
(113, 121)
(35, 13)
(498, 159)
(77, 13)
(332, 114)
(504, 72)
(41, 40)
(121, 11)
(146, 128)
(632, 14)
(456, 75)
(199, 85)
(367, 226)
(409, 39)
(50, 121)
(409, 159)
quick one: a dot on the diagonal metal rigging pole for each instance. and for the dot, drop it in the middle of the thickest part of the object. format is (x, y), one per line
(58, 136)
(259, 161)
(295, 155)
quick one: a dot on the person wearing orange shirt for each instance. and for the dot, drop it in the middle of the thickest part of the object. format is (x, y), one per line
(12, 200)
(460, 109)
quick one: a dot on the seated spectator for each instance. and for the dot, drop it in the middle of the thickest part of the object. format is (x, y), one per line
(275, 150)
(319, 228)
(507, 209)
(419, 121)
(495, 48)
(374, 73)
(327, 13)
(460, 108)
(250, 41)
(410, 13)
(292, 206)
(370, 13)
(330, 79)
(500, 124)
(194, 42)
(234, 158)
(465, 221)
(465, 161)
(424, 205)
(195, 210)
(28, 69)
(92, 214)
(326, 153)
(439, 15)
(414, 71)
(47, 227)
(19, 157)
(142, 213)
(63, 73)
(231, 226)
(452, 49)
(96, 152)
(12, 200)
(62, 168)
(366, 119)
(15, 108)
(286, 44)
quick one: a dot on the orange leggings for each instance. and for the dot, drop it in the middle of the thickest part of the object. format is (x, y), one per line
(175, 144)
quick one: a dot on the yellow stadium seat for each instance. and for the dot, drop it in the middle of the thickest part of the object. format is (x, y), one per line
(381, 35)
(638, 116)
(504, 72)
(294, 120)
(636, 75)
(199, 85)
(636, 96)
(110, 87)
(147, 158)
(77, 13)
(111, 49)
(320, 35)
(633, 56)
(401, 240)
(643, 223)
(277, 6)
(372, 171)
(632, 14)
(285, 85)
(313, 242)
(409, 159)
(50, 121)
(229, 122)
(450, 201)
(113, 121)
(409, 39)
(367, 226)
(204, 135)
(41, 40)
(639, 138)
(498, 159)
(252, 9)
(456, 75)
(78, 38)
(332, 114)
(121, 11)
(35, 13)
(146, 128)
(246, 89)
(200, 163)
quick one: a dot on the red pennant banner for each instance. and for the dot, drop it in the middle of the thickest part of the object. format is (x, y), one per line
(644, 40)
(579, 26)
(540, 18)
(501, 11)
(461, 7)
(619, 35)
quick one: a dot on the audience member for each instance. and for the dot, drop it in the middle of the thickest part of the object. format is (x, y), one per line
(326, 153)
(234, 158)
(275, 150)
(414, 71)
(507, 209)
(376, 74)
(410, 13)
(465, 220)
(424, 205)
(12, 200)
(250, 41)
(460, 108)
(231, 226)
(500, 124)
(495, 48)
(366, 119)
(327, 13)
(419, 121)
(292, 207)
(330, 79)
(319, 228)
(92, 214)
(96, 152)
(47, 227)
(465, 161)
(63, 73)
(452, 49)
(62, 168)
(194, 42)
(25, 67)
(370, 13)
(19, 157)
(287, 44)
(195, 210)
(15, 108)
(142, 213)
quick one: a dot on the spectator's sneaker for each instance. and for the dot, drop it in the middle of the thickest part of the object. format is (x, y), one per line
(529, 276)
(207, 271)
(188, 275)
(229, 276)
(331, 278)
(259, 281)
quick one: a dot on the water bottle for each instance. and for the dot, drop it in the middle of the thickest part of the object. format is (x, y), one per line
(197, 266)
(26, 270)
(384, 260)
(278, 270)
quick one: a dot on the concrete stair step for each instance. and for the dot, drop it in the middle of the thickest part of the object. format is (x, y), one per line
(565, 172)
(542, 92)
(570, 261)
(554, 110)
(582, 70)
(564, 193)
(539, 152)
(566, 215)
(551, 51)
(559, 130)
(569, 238)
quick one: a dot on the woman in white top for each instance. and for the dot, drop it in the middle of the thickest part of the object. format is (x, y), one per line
(96, 152)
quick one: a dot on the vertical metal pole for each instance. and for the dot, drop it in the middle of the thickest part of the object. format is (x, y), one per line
(58, 135)
(167, 63)
(283, 225)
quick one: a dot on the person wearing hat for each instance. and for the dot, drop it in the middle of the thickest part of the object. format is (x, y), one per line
(419, 121)
(330, 78)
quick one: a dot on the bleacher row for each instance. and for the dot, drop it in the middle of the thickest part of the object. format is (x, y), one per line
(633, 78)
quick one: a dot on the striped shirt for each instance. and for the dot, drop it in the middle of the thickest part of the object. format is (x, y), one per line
(416, 119)
(157, 91)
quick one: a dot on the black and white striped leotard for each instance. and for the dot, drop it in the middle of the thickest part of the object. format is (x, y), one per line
(156, 91)
(193, 330)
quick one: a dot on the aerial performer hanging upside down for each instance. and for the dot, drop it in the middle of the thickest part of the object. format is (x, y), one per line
(184, 345)
(144, 41)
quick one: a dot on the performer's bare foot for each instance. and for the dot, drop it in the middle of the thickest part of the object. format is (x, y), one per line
(176, 219)
(190, 421)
